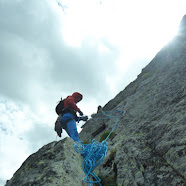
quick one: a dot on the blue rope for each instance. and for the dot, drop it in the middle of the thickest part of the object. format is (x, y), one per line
(95, 152)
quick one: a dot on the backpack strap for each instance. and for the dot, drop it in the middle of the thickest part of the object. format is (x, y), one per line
(57, 126)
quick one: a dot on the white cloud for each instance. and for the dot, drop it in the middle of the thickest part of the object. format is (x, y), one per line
(13, 152)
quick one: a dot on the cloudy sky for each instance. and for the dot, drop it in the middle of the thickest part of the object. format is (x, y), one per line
(50, 49)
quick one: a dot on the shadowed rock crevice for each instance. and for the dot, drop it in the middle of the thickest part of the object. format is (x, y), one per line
(168, 164)
(103, 127)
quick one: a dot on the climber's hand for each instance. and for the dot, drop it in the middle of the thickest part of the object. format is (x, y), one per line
(85, 118)
(80, 113)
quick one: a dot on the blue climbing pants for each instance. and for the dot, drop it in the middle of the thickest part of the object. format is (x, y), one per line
(71, 126)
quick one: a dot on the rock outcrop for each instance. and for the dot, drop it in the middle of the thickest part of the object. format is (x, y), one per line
(148, 146)
(54, 164)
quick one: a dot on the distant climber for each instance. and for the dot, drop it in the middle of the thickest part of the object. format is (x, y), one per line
(66, 109)
(99, 109)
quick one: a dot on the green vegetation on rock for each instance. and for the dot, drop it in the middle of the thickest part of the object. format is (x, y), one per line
(105, 134)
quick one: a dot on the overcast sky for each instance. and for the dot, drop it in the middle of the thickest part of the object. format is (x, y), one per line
(49, 50)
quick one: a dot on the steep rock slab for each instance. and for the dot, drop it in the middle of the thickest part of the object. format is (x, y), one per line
(149, 147)
(54, 164)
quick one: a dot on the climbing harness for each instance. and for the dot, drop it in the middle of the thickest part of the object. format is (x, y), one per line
(95, 152)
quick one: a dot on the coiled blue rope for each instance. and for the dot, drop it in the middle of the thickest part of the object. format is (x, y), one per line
(95, 152)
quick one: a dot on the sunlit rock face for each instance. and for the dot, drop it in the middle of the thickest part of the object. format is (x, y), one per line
(148, 146)
(182, 28)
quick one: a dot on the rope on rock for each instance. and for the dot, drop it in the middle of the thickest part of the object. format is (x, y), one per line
(95, 152)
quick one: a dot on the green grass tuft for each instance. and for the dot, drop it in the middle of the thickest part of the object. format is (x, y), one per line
(105, 134)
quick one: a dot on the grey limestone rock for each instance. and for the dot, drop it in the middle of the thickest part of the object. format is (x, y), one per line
(54, 164)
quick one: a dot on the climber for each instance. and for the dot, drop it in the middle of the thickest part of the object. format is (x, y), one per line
(99, 109)
(69, 117)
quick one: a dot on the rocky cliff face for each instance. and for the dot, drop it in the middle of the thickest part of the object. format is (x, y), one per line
(148, 146)
(54, 164)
